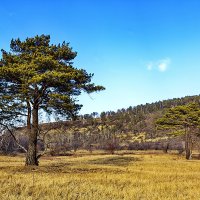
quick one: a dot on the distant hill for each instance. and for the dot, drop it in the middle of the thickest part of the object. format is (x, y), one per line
(132, 127)
(128, 128)
(139, 118)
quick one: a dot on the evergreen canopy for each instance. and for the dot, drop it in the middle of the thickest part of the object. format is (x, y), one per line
(41, 73)
(181, 117)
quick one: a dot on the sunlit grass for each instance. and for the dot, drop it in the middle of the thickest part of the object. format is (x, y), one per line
(101, 177)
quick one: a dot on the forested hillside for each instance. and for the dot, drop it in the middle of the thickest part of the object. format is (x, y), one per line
(138, 119)
(131, 128)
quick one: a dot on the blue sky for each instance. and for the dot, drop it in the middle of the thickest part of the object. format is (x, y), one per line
(141, 50)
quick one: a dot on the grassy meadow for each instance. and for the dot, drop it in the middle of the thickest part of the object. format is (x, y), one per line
(135, 176)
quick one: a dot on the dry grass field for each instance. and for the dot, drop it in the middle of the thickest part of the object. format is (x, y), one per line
(103, 177)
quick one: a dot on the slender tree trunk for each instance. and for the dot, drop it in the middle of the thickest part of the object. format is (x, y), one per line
(188, 145)
(31, 156)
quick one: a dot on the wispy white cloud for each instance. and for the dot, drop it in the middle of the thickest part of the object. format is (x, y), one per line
(164, 64)
(160, 65)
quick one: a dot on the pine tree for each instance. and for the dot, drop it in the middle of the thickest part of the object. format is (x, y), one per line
(185, 118)
(39, 75)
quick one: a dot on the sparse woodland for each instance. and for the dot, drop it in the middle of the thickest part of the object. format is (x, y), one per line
(136, 128)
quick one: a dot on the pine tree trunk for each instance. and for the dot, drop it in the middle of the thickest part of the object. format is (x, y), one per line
(188, 154)
(188, 145)
(31, 156)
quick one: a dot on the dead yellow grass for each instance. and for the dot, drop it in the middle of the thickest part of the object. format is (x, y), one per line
(101, 177)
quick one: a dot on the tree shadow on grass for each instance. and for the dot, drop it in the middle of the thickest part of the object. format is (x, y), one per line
(50, 168)
(114, 161)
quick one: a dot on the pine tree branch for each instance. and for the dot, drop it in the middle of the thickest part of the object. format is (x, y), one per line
(15, 139)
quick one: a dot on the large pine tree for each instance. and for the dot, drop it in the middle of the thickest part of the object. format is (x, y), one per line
(38, 75)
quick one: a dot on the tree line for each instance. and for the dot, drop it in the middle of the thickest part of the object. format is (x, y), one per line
(105, 132)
